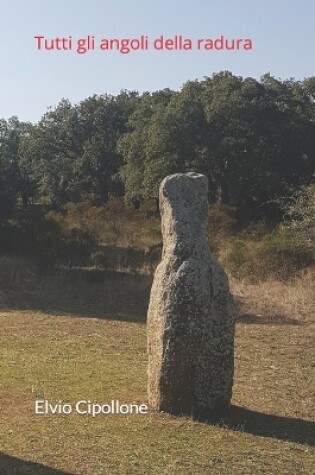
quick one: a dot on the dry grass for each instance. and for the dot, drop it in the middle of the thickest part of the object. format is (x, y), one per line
(275, 300)
(80, 334)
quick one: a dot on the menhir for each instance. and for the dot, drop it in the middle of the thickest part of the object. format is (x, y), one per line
(190, 315)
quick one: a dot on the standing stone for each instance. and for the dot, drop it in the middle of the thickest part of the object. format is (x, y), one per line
(190, 316)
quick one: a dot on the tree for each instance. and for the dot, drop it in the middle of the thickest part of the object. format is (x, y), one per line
(105, 118)
(259, 140)
(13, 181)
(300, 213)
(73, 149)
(176, 139)
(133, 144)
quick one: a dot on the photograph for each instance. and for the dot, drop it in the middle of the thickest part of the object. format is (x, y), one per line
(157, 237)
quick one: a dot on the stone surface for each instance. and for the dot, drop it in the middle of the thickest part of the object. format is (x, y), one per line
(190, 316)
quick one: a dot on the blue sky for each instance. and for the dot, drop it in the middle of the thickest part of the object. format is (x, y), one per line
(282, 31)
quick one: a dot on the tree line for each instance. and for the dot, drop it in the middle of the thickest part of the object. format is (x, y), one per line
(255, 141)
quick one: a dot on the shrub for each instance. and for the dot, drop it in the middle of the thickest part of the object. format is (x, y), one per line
(221, 219)
(240, 260)
(46, 241)
(279, 254)
(300, 213)
(16, 272)
(283, 253)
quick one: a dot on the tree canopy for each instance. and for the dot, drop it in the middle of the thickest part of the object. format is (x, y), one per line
(255, 140)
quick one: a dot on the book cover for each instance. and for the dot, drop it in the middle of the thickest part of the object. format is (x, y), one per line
(100, 101)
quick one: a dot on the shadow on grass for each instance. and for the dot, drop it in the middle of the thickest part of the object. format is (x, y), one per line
(83, 292)
(14, 466)
(95, 293)
(266, 425)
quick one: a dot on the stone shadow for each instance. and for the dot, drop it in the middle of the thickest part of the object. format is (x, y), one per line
(265, 425)
(13, 466)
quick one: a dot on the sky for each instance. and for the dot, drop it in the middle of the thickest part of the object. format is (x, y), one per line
(32, 80)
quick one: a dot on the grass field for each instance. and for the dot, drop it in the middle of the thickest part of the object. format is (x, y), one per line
(81, 335)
